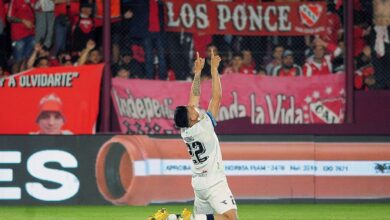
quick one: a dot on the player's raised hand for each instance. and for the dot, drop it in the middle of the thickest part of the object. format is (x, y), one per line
(199, 64)
(215, 60)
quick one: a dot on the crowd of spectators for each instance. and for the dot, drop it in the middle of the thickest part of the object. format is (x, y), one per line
(44, 33)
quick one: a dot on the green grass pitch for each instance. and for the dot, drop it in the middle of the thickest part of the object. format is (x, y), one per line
(364, 211)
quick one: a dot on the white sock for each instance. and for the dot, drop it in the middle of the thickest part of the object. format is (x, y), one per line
(198, 217)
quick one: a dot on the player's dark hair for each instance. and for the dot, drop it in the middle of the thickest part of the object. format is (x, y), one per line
(180, 117)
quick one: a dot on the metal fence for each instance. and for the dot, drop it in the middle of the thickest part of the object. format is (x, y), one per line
(160, 54)
(144, 45)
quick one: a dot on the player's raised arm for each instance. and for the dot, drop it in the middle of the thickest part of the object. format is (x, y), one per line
(216, 96)
(195, 89)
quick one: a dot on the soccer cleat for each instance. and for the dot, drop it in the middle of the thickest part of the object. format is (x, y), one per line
(161, 214)
(150, 218)
(186, 214)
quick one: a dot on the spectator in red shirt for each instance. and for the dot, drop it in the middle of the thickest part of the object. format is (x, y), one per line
(287, 67)
(21, 16)
(83, 28)
(333, 27)
(248, 64)
(364, 73)
(235, 66)
(247, 59)
(364, 78)
(320, 63)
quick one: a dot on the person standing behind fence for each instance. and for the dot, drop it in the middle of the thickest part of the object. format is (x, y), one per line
(333, 29)
(247, 59)
(277, 58)
(237, 66)
(128, 63)
(364, 75)
(21, 16)
(146, 26)
(287, 67)
(44, 21)
(320, 63)
(179, 46)
(83, 28)
(380, 43)
(64, 11)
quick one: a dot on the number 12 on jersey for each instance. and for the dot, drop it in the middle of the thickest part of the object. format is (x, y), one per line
(196, 150)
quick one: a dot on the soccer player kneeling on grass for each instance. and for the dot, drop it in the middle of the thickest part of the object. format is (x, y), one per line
(213, 198)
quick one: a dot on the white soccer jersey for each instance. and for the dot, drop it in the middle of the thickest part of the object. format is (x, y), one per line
(205, 151)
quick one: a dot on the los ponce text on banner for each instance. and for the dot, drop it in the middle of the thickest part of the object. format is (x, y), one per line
(249, 18)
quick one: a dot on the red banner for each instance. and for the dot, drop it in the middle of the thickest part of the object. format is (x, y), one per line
(287, 18)
(146, 107)
(56, 100)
